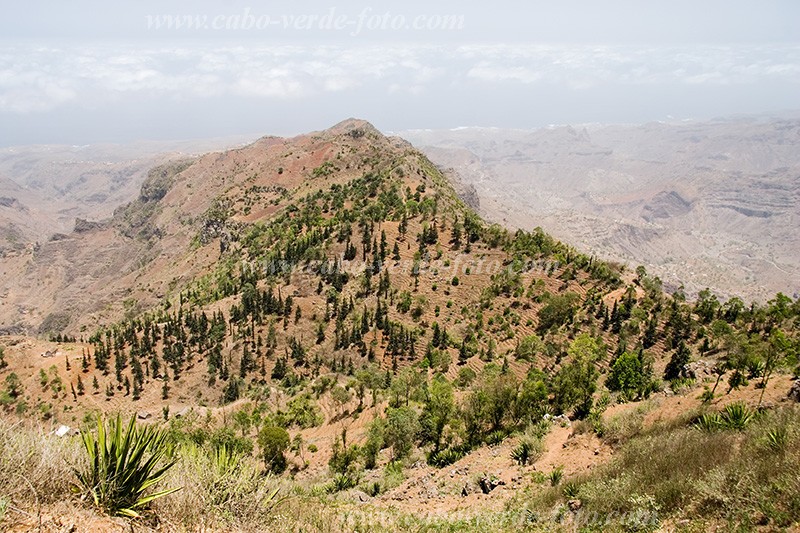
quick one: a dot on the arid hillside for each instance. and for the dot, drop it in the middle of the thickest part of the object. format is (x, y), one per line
(43, 189)
(705, 204)
(320, 333)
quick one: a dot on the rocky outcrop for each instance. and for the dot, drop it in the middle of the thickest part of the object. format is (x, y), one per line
(794, 392)
(86, 226)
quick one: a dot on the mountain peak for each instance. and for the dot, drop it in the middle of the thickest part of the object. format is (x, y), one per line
(355, 127)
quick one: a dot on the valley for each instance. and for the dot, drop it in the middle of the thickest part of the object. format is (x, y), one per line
(329, 337)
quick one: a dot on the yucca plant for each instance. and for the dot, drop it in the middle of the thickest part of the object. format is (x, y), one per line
(342, 482)
(124, 463)
(522, 452)
(737, 416)
(709, 422)
(495, 437)
(571, 490)
(777, 439)
(445, 457)
(556, 475)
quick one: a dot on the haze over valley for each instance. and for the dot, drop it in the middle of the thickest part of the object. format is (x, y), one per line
(707, 204)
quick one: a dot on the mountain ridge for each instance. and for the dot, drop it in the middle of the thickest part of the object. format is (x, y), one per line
(604, 190)
(335, 285)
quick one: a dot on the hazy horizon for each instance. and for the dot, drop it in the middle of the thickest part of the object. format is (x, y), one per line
(88, 72)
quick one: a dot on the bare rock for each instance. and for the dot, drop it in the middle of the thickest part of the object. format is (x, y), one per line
(85, 226)
(794, 392)
(699, 369)
(488, 484)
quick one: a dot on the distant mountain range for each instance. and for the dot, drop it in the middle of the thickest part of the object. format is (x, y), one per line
(707, 204)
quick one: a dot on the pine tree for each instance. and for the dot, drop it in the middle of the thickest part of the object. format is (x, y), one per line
(455, 236)
(675, 367)
(246, 364)
(616, 320)
(383, 246)
(463, 354)
(279, 370)
(650, 332)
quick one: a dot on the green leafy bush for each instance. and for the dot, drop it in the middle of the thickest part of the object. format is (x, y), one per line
(273, 442)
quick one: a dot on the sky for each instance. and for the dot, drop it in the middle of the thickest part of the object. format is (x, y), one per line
(85, 71)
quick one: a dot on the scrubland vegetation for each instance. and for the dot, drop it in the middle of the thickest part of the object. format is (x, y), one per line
(429, 364)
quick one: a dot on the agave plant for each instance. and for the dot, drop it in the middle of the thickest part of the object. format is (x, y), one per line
(523, 452)
(709, 422)
(445, 457)
(342, 482)
(556, 475)
(777, 439)
(124, 463)
(571, 490)
(737, 416)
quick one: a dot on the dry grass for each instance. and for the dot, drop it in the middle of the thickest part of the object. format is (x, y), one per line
(742, 478)
(221, 491)
(35, 466)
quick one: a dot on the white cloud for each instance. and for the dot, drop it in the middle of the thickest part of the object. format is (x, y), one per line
(487, 72)
(39, 79)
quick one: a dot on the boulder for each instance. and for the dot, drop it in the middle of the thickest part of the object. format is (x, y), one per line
(575, 505)
(794, 392)
(488, 484)
(699, 369)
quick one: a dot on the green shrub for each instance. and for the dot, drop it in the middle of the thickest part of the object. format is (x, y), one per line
(570, 490)
(709, 422)
(124, 462)
(556, 475)
(273, 442)
(737, 416)
(445, 457)
(342, 482)
(495, 437)
(527, 451)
